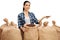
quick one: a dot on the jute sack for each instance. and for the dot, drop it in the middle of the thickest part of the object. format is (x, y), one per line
(3, 26)
(10, 33)
(58, 31)
(31, 33)
(47, 33)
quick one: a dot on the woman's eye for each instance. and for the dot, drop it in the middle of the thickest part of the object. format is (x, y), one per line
(27, 5)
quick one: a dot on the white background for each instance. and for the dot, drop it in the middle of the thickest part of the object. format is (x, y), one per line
(11, 8)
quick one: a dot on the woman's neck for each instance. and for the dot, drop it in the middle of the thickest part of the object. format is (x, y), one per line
(25, 11)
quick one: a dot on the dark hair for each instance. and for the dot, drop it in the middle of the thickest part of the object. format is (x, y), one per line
(25, 3)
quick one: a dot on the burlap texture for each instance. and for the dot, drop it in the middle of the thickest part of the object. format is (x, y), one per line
(31, 33)
(58, 31)
(10, 32)
(47, 33)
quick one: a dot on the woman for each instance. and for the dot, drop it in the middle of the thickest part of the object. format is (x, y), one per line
(26, 17)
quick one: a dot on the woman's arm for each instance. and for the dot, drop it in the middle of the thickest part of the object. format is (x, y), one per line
(40, 21)
(35, 19)
(19, 21)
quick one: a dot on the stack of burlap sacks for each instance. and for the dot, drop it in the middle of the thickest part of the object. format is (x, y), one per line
(40, 33)
(9, 31)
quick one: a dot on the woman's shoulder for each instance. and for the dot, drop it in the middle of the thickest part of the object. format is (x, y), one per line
(20, 14)
(31, 13)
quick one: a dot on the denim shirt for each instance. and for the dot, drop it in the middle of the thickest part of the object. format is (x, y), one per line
(21, 19)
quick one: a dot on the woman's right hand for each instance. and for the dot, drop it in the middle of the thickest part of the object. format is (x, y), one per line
(23, 29)
(25, 25)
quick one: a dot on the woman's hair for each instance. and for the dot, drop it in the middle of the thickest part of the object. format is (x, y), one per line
(25, 3)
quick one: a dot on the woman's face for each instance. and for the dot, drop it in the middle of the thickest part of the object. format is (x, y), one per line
(27, 6)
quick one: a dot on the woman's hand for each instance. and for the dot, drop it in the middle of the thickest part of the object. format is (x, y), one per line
(25, 25)
(40, 21)
(23, 29)
(43, 18)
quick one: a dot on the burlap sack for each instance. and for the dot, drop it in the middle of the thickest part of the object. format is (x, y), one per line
(47, 33)
(10, 32)
(58, 31)
(31, 33)
(3, 26)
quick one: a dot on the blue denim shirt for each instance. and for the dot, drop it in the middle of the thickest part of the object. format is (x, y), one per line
(21, 19)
